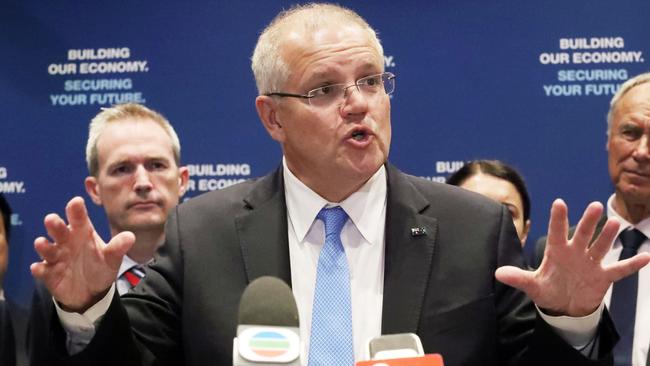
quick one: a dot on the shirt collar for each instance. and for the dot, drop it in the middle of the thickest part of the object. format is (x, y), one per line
(127, 263)
(364, 207)
(643, 226)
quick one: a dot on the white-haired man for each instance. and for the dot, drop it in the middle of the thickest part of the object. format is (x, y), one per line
(628, 149)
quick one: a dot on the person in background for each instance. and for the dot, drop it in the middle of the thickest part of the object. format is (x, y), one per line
(500, 182)
(13, 317)
(133, 159)
(628, 157)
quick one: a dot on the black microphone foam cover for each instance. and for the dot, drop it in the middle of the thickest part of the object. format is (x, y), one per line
(268, 301)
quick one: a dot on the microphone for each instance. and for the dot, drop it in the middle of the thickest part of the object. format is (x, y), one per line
(268, 332)
(403, 349)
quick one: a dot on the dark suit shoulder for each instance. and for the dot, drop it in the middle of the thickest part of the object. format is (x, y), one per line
(7, 341)
(234, 199)
(453, 199)
(19, 318)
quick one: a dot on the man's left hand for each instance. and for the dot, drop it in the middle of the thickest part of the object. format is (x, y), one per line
(571, 279)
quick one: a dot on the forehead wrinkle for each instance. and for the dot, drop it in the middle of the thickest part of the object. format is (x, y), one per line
(627, 117)
(128, 154)
(300, 46)
(128, 147)
(635, 102)
(294, 49)
(328, 71)
(138, 157)
(317, 65)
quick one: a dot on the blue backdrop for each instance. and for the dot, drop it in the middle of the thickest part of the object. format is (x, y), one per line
(527, 82)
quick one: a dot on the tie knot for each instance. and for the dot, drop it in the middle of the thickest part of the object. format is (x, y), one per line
(334, 219)
(632, 239)
(134, 274)
(137, 269)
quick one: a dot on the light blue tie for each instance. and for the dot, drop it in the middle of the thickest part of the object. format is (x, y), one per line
(331, 342)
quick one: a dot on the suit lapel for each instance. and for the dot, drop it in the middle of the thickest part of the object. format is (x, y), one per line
(408, 254)
(262, 230)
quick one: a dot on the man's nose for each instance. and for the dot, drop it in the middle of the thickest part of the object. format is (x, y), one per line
(354, 101)
(642, 150)
(142, 180)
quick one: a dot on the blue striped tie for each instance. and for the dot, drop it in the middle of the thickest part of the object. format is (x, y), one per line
(331, 342)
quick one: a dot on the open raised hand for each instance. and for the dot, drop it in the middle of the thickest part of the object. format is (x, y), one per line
(77, 266)
(571, 279)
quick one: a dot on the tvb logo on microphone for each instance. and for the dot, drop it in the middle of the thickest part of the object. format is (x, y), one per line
(269, 344)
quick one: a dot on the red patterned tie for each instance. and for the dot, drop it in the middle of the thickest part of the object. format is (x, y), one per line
(134, 275)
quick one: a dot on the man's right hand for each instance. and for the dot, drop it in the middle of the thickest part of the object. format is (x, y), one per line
(78, 268)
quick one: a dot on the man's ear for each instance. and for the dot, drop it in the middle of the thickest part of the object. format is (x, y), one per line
(183, 180)
(93, 190)
(267, 109)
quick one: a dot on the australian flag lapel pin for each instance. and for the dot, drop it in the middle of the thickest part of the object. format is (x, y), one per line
(418, 231)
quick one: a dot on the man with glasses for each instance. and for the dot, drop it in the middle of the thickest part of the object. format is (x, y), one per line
(367, 249)
(330, 94)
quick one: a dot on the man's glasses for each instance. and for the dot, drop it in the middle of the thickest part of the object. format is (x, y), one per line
(329, 94)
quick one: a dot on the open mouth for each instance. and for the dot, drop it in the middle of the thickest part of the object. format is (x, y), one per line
(359, 135)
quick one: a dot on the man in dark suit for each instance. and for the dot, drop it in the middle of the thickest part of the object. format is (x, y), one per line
(13, 317)
(135, 174)
(628, 149)
(7, 337)
(418, 256)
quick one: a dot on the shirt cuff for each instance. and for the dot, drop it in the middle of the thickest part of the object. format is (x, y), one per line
(82, 323)
(577, 331)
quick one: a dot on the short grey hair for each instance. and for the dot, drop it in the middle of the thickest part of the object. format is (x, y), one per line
(121, 112)
(270, 69)
(625, 87)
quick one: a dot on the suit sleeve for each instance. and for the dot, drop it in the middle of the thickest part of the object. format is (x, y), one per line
(7, 342)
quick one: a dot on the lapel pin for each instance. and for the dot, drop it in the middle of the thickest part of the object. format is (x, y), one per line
(418, 231)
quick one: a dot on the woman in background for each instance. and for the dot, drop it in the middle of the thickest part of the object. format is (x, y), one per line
(500, 182)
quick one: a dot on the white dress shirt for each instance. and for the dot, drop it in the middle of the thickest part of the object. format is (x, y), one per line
(642, 320)
(363, 241)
